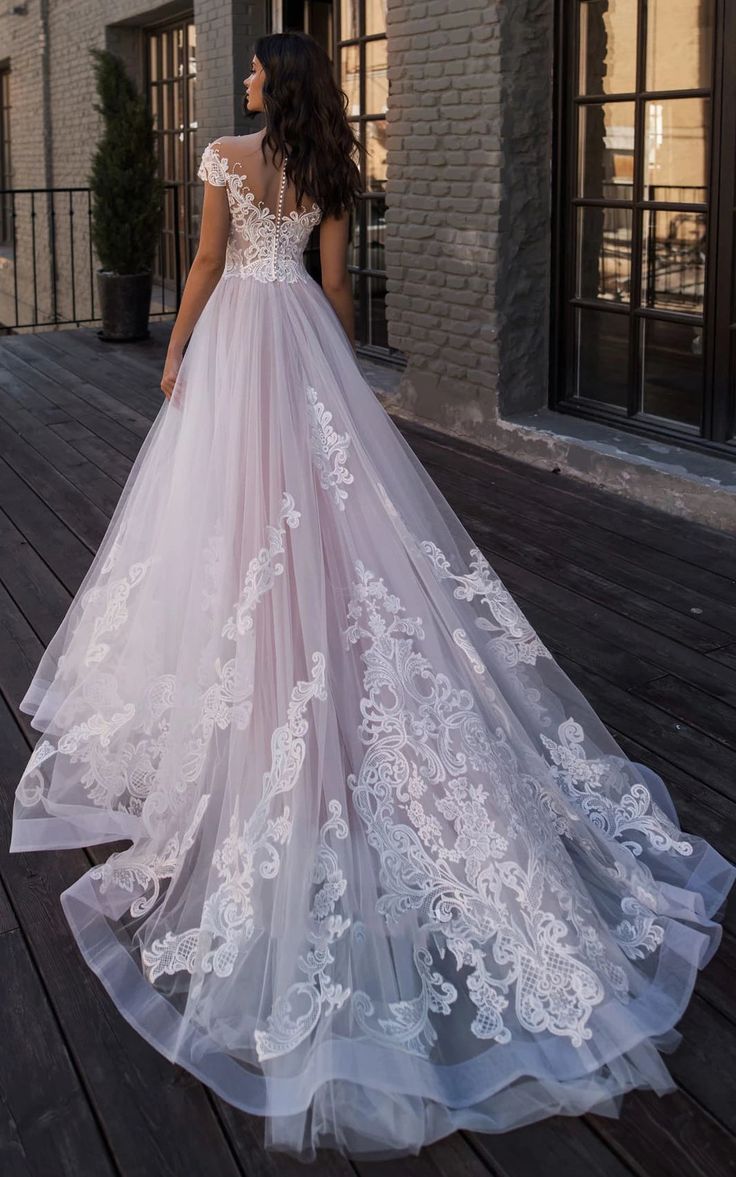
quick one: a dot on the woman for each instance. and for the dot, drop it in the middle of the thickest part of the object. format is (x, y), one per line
(389, 875)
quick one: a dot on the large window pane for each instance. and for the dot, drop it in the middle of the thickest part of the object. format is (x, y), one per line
(350, 78)
(606, 150)
(679, 44)
(349, 10)
(376, 77)
(673, 275)
(672, 371)
(376, 291)
(171, 57)
(376, 215)
(607, 47)
(602, 349)
(375, 139)
(604, 254)
(676, 149)
(375, 16)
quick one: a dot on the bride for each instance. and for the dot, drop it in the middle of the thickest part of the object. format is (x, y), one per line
(388, 873)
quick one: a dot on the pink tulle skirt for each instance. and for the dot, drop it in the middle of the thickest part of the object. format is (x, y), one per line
(389, 875)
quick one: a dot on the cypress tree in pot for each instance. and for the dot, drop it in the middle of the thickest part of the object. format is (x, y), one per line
(127, 201)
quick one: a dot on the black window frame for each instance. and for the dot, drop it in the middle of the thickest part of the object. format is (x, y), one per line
(363, 274)
(183, 201)
(6, 200)
(718, 425)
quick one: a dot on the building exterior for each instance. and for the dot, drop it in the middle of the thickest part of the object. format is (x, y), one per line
(545, 257)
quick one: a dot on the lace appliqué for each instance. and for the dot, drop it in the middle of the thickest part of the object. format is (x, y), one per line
(259, 245)
(116, 612)
(129, 777)
(461, 639)
(319, 993)
(150, 873)
(426, 742)
(262, 571)
(228, 918)
(601, 789)
(212, 168)
(329, 450)
(514, 639)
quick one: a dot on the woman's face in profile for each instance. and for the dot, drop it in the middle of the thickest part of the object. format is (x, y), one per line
(254, 85)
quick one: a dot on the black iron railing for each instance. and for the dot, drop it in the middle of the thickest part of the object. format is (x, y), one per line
(47, 261)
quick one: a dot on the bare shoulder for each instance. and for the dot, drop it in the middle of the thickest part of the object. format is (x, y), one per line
(228, 142)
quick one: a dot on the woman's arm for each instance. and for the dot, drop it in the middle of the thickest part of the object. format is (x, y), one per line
(204, 274)
(336, 283)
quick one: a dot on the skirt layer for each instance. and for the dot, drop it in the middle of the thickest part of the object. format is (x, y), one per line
(389, 874)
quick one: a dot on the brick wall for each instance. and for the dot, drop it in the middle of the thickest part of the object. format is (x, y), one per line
(467, 223)
(468, 191)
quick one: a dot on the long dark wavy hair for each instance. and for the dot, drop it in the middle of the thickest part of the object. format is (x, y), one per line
(306, 116)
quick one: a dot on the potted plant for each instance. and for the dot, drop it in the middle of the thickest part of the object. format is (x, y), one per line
(127, 199)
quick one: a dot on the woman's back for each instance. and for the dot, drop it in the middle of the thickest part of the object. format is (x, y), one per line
(269, 230)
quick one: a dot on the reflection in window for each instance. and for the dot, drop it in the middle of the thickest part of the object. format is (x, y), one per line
(679, 44)
(363, 75)
(644, 354)
(672, 371)
(607, 47)
(676, 149)
(606, 150)
(604, 253)
(602, 345)
(673, 274)
(171, 85)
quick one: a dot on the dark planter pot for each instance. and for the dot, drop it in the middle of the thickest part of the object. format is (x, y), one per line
(125, 304)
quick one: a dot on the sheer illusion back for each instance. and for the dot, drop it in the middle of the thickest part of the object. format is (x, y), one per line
(268, 230)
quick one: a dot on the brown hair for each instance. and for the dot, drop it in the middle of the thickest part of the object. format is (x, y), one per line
(306, 117)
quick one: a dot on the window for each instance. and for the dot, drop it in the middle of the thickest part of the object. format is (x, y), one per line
(6, 220)
(363, 75)
(644, 330)
(171, 86)
(354, 34)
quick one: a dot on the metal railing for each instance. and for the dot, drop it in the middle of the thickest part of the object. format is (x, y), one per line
(48, 265)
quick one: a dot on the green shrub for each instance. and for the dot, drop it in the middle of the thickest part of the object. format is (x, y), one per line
(127, 195)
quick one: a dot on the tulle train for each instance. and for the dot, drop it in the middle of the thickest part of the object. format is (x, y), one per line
(389, 874)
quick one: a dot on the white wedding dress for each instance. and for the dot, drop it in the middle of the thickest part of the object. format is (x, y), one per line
(389, 875)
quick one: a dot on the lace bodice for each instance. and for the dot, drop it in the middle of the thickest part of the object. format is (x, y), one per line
(262, 244)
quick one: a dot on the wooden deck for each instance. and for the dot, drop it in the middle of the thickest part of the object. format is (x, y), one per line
(637, 607)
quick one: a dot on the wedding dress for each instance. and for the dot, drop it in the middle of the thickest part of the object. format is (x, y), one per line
(389, 875)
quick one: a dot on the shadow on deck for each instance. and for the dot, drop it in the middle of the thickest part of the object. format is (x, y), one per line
(637, 607)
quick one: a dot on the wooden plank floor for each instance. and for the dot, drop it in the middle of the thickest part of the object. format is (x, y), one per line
(636, 606)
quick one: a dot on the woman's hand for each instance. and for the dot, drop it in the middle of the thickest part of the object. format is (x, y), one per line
(171, 370)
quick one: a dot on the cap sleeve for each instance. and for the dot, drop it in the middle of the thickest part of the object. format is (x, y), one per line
(212, 166)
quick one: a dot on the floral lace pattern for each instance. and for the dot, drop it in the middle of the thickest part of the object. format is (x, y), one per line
(262, 571)
(427, 744)
(228, 918)
(319, 992)
(224, 699)
(260, 245)
(513, 636)
(607, 798)
(329, 450)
